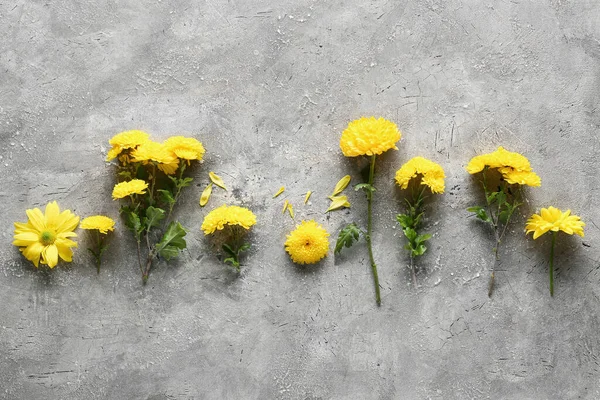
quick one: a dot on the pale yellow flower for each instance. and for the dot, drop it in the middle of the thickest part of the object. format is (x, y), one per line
(369, 136)
(432, 174)
(124, 189)
(126, 140)
(100, 223)
(185, 148)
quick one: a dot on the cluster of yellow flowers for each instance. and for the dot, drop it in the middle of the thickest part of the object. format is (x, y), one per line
(432, 174)
(514, 167)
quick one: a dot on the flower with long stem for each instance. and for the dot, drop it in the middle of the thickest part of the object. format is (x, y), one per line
(554, 220)
(231, 224)
(502, 192)
(419, 174)
(47, 236)
(367, 137)
(101, 225)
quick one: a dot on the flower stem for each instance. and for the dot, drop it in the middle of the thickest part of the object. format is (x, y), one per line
(369, 226)
(551, 270)
(414, 273)
(98, 259)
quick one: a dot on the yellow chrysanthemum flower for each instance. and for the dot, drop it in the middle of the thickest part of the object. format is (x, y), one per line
(126, 140)
(227, 215)
(553, 219)
(44, 237)
(514, 167)
(185, 148)
(99, 222)
(308, 243)
(124, 189)
(432, 174)
(369, 136)
(153, 151)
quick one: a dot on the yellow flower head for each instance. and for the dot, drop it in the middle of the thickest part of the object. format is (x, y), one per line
(44, 237)
(227, 215)
(153, 151)
(308, 243)
(369, 136)
(514, 167)
(553, 219)
(185, 148)
(99, 222)
(432, 174)
(126, 140)
(124, 189)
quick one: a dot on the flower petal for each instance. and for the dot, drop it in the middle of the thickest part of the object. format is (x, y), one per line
(64, 252)
(281, 189)
(307, 196)
(338, 202)
(25, 239)
(216, 179)
(33, 252)
(52, 212)
(67, 221)
(50, 256)
(36, 219)
(206, 195)
(341, 185)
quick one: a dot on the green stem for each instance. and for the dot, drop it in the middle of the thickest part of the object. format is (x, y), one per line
(98, 258)
(369, 229)
(551, 271)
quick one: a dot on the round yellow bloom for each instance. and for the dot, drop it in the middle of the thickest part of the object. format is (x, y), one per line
(99, 222)
(126, 140)
(44, 237)
(124, 189)
(432, 174)
(227, 215)
(514, 167)
(153, 151)
(185, 148)
(369, 136)
(308, 243)
(553, 219)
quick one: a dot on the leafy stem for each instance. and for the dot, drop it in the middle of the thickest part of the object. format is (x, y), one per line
(369, 194)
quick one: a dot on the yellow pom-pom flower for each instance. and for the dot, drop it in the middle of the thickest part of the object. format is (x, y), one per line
(308, 243)
(553, 219)
(45, 237)
(514, 167)
(100, 223)
(185, 148)
(369, 136)
(432, 174)
(153, 151)
(124, 189)
(218, 218)
(126, 140)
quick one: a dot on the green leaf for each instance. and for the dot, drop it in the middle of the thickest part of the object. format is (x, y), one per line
(166, 197)
(480, 213)
(232, 261)
(244, 247)
(153, 217)
(185, 182)
(132, 222)
(347, 237)
(125, 174)
(492, 197)
(419, 251)
(172, 241)
(422, 238)
(410, 234)
(501, 198)
(503, 216)
(404, 220)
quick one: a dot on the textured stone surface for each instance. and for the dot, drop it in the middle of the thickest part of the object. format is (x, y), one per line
(268, 86)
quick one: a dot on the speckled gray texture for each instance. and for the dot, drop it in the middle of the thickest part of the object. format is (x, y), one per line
(268, 86)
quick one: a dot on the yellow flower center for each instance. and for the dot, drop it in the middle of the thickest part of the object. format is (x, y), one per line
(47, 238)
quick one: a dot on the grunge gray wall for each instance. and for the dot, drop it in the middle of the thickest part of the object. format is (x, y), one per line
(268, 86)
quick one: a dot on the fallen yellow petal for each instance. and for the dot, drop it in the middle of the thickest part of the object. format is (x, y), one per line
(341, 185)
(216, 179)
(338, 202)
(205, 195)
(307, 196)
(290, 209)
(281, 189)
(285, 206)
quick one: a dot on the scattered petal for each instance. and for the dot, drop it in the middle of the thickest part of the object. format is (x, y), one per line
(216, 179)
(206, 195)
(285, 206)
(281, 189)
(338, 202)
(341, 185)
(307, 196)
(290, 209)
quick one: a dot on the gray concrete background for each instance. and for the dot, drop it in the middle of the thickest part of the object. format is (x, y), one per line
(268, 86)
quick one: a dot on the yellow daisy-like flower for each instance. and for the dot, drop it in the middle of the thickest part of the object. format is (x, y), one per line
(227, 215)
(369, 136)
(185, 148)
(99, 222)
(432, 174)
(553, 219)
(44, 237)
(126, 140)
(124, 189)
(308, 243)
(514, 167)
(153, 151)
